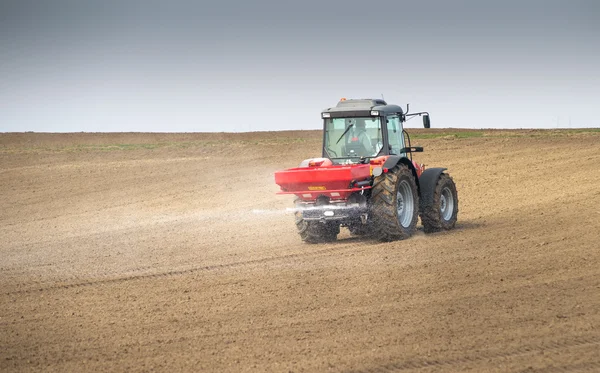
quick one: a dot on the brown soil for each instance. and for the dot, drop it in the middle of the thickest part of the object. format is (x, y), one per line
(155, 252)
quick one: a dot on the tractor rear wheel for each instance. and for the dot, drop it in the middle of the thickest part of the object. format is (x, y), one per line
(312, 231)
(316, 231)
(359, 229)
(394, 204)
(442, 214)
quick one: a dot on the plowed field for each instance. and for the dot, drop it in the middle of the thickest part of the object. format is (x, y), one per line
(172, 252)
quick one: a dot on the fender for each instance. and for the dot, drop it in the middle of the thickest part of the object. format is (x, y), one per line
(428, 182)
(393, 160)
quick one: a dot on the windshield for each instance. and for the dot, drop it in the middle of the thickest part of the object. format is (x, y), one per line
(352, 138)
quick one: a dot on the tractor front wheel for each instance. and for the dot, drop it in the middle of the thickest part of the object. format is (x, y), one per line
(394, 205)
(442, 214)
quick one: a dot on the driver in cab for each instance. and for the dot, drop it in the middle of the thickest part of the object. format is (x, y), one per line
(359, 136)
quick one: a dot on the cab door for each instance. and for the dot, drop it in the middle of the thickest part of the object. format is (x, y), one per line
(395, 137)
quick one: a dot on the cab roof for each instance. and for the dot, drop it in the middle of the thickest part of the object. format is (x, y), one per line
(361, 107)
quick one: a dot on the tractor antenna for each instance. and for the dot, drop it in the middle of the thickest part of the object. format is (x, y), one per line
(407, 105)
(382, 97)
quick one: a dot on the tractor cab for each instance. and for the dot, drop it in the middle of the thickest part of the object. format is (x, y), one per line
(358, 130)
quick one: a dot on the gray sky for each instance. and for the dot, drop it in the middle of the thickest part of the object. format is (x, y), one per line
(171, 66)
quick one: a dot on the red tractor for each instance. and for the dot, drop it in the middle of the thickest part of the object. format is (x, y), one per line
(366, 179)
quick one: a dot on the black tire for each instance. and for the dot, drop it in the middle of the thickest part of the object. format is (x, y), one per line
(359, 229)
(443, 213)
(316, 231)
(395, 204)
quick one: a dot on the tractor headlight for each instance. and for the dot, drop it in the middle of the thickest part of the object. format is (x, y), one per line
(375, 113)
(326, 115)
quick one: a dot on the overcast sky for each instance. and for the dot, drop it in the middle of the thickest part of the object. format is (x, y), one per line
(175, 66)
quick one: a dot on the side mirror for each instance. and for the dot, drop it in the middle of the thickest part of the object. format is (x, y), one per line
(426, 121)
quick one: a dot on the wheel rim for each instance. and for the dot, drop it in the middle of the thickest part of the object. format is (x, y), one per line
(446, 204)
(406, 204)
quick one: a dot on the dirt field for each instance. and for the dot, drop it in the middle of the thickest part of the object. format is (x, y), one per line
(156, 252)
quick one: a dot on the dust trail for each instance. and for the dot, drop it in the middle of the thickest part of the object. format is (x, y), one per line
(279, 212)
